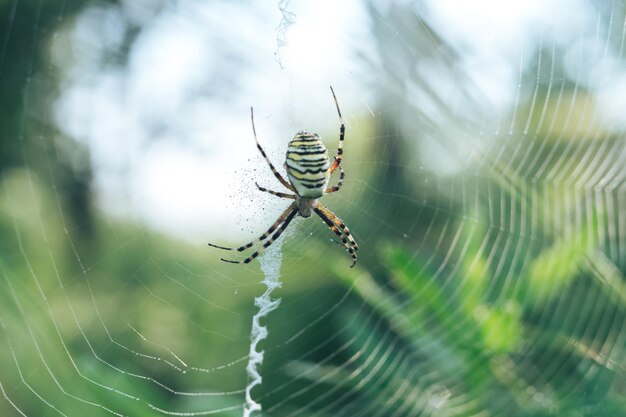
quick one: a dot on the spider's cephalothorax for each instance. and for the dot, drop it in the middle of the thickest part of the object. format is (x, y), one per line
(308, 169)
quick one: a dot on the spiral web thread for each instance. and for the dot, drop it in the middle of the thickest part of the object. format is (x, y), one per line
(546, 183)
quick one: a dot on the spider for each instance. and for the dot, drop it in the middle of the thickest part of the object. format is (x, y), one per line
(308, 169)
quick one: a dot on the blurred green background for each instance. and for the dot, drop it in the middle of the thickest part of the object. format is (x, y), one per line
(485, 186)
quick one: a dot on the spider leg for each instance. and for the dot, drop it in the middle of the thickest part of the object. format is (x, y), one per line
(346, 243)
(281, 219)
(258, 145)
(271, 240)
(342, 134)
(347, 240)
(339, 223)
(276, 193)
(339, 184)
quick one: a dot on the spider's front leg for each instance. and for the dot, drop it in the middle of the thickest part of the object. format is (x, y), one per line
(280, 224)
(271, 240)
(335, 223)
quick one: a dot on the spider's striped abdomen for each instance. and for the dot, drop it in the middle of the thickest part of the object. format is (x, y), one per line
(307, 165)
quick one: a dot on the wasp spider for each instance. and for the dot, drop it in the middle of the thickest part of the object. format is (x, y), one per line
(308, 169)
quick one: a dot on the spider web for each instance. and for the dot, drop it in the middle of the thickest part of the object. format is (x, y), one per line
(485, 176)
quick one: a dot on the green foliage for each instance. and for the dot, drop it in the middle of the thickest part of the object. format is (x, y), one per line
(557, 266)
(56, 298)
(498, 290)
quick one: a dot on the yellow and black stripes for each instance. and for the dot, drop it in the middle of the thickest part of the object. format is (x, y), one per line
(308, 170)
(307, 165)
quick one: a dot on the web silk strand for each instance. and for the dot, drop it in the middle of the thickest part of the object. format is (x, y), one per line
(270, 265)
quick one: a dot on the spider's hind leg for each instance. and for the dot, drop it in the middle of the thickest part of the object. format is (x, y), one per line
(337, 187)
(258, 145)
(342, 134)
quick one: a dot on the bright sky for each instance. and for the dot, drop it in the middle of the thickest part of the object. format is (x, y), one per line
(204, 185)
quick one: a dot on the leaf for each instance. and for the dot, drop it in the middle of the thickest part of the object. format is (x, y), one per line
(557, 267)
